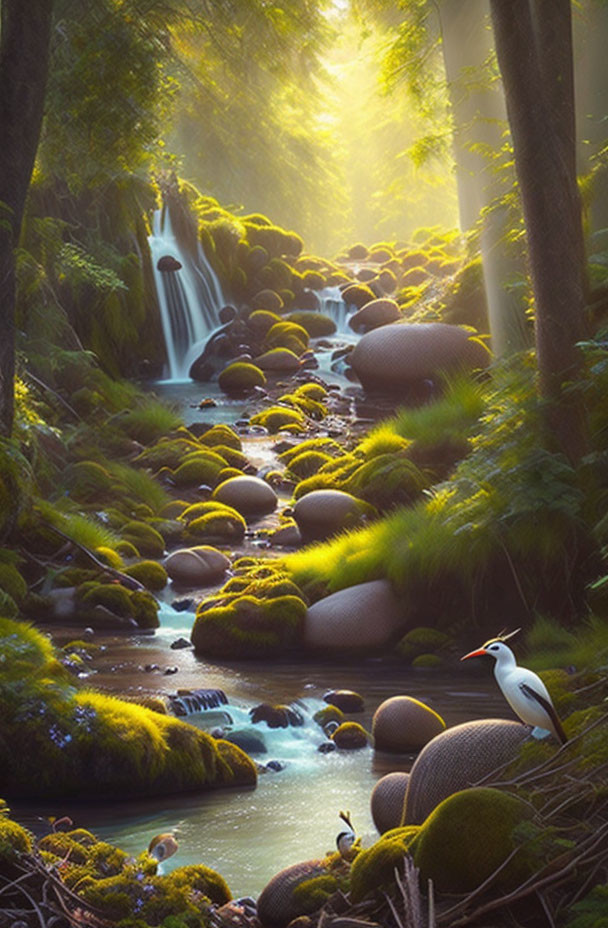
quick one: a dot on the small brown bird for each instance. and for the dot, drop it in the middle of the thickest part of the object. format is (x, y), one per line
(162, 846)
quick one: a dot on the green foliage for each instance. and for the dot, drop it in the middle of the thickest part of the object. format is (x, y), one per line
(374, 867)
(148, 421)
(64, 739)
(591, 911)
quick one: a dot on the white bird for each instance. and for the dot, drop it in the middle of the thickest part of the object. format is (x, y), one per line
(523, 689)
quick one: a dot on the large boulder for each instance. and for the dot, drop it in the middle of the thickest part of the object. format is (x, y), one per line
(278, 359)
(458, 758)
(374, 314)
(387, 800)
(360, 617)
(280, 902)
(393, 357)
(401, 724)
(248, 495)
(196, 566)
(322, 513)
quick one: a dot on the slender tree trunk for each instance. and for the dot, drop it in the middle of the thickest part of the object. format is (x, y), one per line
(535, 58)
(25, 29)
(480, 120)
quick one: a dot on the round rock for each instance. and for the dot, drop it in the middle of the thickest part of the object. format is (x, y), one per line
(248, 495)
(196, 566)
(358, 618)
(322, 513)
(457, 759)
(278, 359)
(346, 700)
(393, 356)
(401, 724)
(387, 800)
(374, 314)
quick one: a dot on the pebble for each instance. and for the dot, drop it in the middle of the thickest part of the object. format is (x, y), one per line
(182, 605)
(326, 747)
(179, 644)
(170, 670)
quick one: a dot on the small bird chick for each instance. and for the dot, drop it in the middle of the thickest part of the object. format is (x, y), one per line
(162, 846)
(347, 841)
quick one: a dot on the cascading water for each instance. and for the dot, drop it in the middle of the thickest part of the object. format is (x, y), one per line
(332, 305)
(189, 297)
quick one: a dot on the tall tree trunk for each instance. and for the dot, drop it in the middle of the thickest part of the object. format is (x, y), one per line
(535, 58)
(479, 116)
(25, 30)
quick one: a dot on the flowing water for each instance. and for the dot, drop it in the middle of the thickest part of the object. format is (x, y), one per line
(189, 298)
(292, 815)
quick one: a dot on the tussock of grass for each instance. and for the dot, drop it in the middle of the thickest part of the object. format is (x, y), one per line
(146, 423)
(141, 487)
(82, 529)
(549, 644)
(454, 415)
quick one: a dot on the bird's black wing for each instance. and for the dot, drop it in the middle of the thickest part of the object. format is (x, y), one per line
(548, 707)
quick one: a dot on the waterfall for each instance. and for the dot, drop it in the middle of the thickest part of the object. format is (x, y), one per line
(189, 298)
(332, 305)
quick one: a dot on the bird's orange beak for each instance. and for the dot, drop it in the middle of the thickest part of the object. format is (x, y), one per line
(478, 653)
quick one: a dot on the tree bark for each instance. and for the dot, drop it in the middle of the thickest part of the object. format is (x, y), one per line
(25, 30)
(531, 52)
(480, 119)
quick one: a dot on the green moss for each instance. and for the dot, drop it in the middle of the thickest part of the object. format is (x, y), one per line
(147, 540)
(311, 894)
(422, 641)
(12, 583)
(110, 595)
(374, 868)
(14, 840)
(148, 421)
(387, 481)
(126, 549)
(200, 469)
(89, 481)
(350, 736)
(326, 445)
(284, 334)
(310, 407)
(241, 377)
(249, 627)
(222, 525)
(314, 391)
(145, 609)
(221, 435)
(110, 557)
(308, 463)
(166, 453)
(261, 321)
(427, 661)
(198, 878)
(328, 714)
(279, 417)
(468, 836)
(316, 324)
(232, 456)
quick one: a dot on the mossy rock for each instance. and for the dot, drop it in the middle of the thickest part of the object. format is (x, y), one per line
(248, 495)
(233, 457)
(279, 360)
(310, 407)
(268, 300)
(326, 445)
(218, 524)
(221, 435)
(374, 868)
(152, 574)
(427, 661)
(278, 418)
(146, 539)
(468, 836)
(422, 640)
(308, 463)
(281, 334)
(358, 295)
(12, 583)
(89, 481)
(350, 736)
(317, 325)
(14, 840)
(314, 391)
(328, 714)
(200, 879)
(387, 481)
(112, 596)
(241, 377)
(261, 321)
(199, 471)
(110, 557)
(167, 452)
(249, 627)
(126, 549)
(83, 744)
